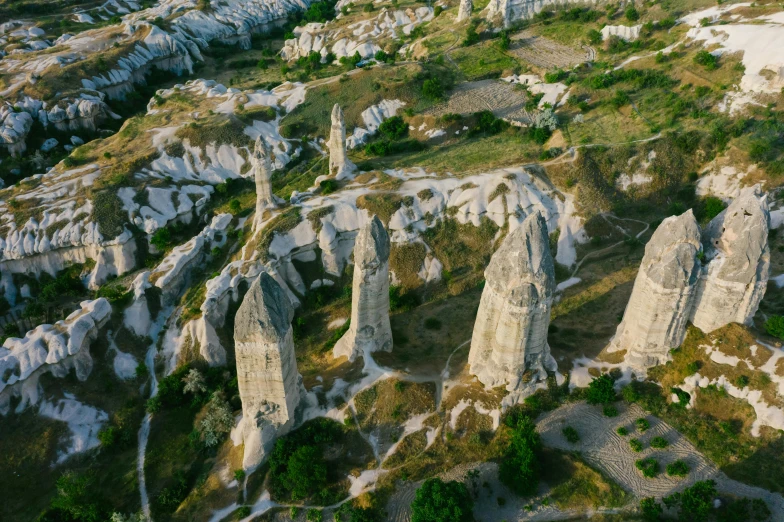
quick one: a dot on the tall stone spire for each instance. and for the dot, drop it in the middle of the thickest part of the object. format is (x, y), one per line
(262, 173)
(464, 11)
(339, 164)
(510, 332)
(369, 329)
(270, 386)
(736, 276)
(655, 318)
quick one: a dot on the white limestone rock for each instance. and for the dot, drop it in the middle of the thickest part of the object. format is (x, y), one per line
(510, 332)
(655, 318)
(339, 164)
(464, 12)
(734, 280)
(508, 11)
(369, 330)
(269, 384)
(54, 349)
(262, 174)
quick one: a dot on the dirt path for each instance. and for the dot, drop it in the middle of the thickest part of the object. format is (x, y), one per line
(604, 449)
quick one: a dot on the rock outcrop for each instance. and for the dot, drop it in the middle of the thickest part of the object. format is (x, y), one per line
(464, 11)
(735, 277)
(369, 330)
(655, 318)
(510, 332)
(54, 349)
(508, 11)
(262, 174)
(269, 384)
(339, 164)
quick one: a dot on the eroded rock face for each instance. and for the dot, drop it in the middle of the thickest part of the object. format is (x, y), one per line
(262, 174)
(54, 349)
(369, 330)
(655, 318)
(734, 280)
(339, 164)
(508, 11)
(464, 12)
(270, 386)
(510, 333)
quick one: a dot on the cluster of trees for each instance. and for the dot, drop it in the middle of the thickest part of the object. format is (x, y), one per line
(695, 504)
(439, 501)
(392, 139)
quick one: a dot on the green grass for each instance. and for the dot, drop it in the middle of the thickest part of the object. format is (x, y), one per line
(483, 60)
(575, 485)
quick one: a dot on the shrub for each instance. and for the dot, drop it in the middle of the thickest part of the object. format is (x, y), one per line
(659, 442)
(775, 326)
(194, 382)
(707, 60)
(439, 501)
(519, 469)
(636, 445)
(393, 128)
(242, 512)
(431, 323)
(650, 509)
(742, 381)
(313, 514)
(622, 431)
(678, 469)
(161, 238)
(649, 467)
(239, 475)
(571, 434)
(218, 420)
(601, 390)
(76, 497)
(696, 502)
(610, 411)
(642, 424)
(432, 89)
(631, 14)
(594, 37)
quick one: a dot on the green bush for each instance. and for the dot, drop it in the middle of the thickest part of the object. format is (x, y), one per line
(659, 442)
(631, 14)
(649, 467)
(519, 469)
(636, 445)
(601, 390)
(432, 89)
(678, 469)
(622, 431)
(594, 37)
(393, 128)
(439, 501)
(571, 434)
(242, 512)
(610, 411)
(314, 515)
(642, 424)
(696, 502)
(775, 326)
(650, 510)
(707, 60)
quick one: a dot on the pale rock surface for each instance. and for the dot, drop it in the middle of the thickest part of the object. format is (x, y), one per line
(624, 32)
(339, 164)
(269, 384)
(655, 318)
(734, 280)
(262, 174)
(508, 11)
(369, 330)
(464, 11)
(510, 332)
(54, 349)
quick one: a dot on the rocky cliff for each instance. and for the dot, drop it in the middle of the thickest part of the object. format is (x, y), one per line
(510, 333)
(339, 164)
(270, 386)
(735, 277)
(660, 304)
(369, 330)
(54, 349)
(507, 11)
(262, 175)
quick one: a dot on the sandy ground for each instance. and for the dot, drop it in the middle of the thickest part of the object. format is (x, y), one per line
(501, 98)
(545, 53)
(604, 449)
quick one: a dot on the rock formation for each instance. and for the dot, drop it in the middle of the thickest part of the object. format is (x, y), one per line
(510, 332)
(660, 304)
(369, 329)
(464, 12)
(54, 349)
(262, 174)
(339, 164)
(734, 280)
(508, 11)
(270, 386)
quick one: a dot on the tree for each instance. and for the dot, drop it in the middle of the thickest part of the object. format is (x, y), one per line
(519, 469)
(706, 59)
(439, 501)
(594, 37)
(697, 501)
(432, 89)
(306, 472)
(650, 509)
(393, 128)
(217, 421)
(76, 498)
(775, 326)
(601, 390)
(194, 382)
(631, 14)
